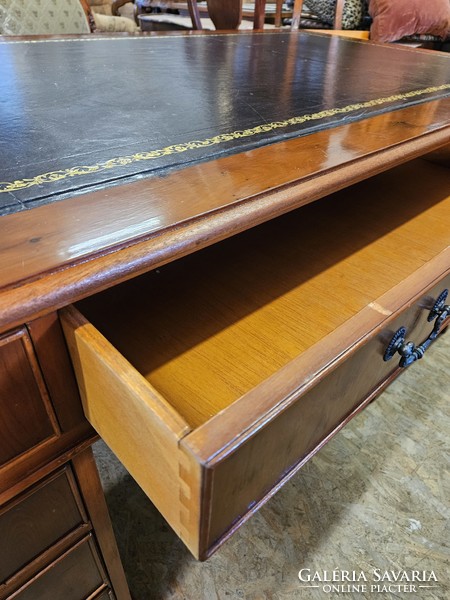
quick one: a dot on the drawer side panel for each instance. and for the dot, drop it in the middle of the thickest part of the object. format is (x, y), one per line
(128, 414)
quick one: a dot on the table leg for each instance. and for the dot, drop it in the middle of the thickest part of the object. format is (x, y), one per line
(194, 14)
(260, 13)
(296, 14)
(278, 13)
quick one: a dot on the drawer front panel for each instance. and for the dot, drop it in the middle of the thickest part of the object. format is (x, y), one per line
(26, 415)
(242, 480)
(74, 576)
(37, 520)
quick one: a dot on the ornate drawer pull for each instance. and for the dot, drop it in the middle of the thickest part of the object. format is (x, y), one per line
(408, 351)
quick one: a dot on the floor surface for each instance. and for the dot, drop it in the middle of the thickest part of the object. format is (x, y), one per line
(376, 497)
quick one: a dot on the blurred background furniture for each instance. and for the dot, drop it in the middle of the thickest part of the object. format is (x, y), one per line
(52, 17)
(427, 25)
(234, 14)
(28, 17)
(106, 19)
(212, 14)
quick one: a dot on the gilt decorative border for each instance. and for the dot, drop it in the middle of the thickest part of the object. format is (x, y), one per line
(58, 175)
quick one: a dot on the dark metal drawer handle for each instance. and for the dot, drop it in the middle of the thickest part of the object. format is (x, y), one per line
(408, 351)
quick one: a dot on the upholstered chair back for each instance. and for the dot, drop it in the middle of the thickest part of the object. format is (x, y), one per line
(42, 17)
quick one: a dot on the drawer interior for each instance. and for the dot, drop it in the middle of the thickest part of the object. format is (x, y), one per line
(207, 328)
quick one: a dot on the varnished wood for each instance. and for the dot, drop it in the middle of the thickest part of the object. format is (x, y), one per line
(90, 486)
(210, 460)
(51, 351)
(33, 568)
(278, 13)
(18, 482)
(296, 172)
(237, 479)
(264, 303)
(194, 13)
(260, 13)
(280, 311)
(15, 474)
(348, 33)
(41, 409)
(28, 418)
(37, 527)
(116, 4)
(139, 413)
(249, 413)
(77, 574)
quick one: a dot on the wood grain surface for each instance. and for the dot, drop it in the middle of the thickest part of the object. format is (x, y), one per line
(227, 318)
(28, 418)
(129, 414)
(37, 520)
(75, 575)
(374, 496)
(265, 344)
(89, 482)
(130, 229)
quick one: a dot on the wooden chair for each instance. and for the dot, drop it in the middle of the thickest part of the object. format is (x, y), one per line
(142, 4)
(260, 6)
(260, 12)
(227, 14)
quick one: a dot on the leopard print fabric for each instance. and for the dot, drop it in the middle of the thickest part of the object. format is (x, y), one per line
(354, 11)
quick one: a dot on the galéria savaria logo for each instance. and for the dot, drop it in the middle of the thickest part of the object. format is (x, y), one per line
(339, 581)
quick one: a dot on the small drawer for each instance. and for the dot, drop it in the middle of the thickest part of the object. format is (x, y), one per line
(27, 416)
(214, 378)
(36, 520)
(76, 575)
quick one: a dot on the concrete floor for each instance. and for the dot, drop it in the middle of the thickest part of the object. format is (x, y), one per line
(377, 496)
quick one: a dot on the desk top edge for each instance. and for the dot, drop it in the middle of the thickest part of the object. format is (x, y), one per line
(39, 275)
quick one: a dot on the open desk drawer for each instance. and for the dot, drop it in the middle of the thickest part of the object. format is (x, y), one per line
(216, 376)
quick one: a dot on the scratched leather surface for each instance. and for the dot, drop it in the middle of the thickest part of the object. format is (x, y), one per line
(71, 104)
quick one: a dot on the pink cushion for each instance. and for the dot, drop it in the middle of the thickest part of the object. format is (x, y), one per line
(395, 19)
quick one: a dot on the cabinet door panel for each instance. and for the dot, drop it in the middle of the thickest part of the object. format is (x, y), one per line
(26, 416)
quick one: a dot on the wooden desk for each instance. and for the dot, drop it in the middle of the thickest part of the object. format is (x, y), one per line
(272, 227)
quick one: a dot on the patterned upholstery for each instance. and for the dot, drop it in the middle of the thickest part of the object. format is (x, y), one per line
(102, 7)
(113, 24)
(104, 21)
(353, 15)
(30, 17)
